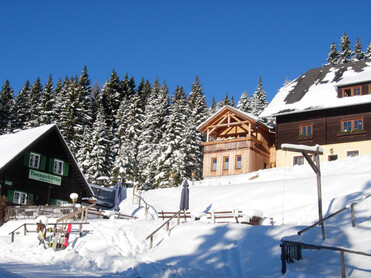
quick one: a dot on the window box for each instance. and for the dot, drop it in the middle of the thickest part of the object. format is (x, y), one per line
(351, 132)
(304, 137)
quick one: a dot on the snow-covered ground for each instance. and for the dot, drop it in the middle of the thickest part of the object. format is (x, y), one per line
(286, 197)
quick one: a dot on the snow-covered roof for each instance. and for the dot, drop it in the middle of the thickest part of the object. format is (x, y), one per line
(13, 144)
(317, 89)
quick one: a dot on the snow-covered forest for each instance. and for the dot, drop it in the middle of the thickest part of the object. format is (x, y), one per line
(137, 133)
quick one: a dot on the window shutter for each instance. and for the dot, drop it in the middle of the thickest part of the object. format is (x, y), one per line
(29, 199)
(51, 165)
(42, 163)
(10, 196)
(66, 168)
(53, 202)
(27, 159)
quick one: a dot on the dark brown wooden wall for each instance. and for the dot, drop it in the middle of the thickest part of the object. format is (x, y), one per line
(17, 172)
(326, 126)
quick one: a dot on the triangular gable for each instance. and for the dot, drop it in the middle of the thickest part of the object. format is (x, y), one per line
(229, 121)
(14, 145)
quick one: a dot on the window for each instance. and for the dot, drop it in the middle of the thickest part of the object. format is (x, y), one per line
(20, 198)
(351, 91)
(213, 164)
(353, 153)
(34, 160)
(61, 203)
(352, 125)
(238, 161)
(58, 167)
(332, 157)
(298, 160)
(305, 130)
(226, 163)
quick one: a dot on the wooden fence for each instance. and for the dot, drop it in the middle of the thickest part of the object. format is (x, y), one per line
(32, 212)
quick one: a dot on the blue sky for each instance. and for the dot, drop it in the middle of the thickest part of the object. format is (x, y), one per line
(229, 44)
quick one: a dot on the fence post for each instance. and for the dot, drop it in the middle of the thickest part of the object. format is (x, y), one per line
(150, 242)
(25, 229)
(146, 211)
(353, 217)
(167, 226)
(342, 265)
(178, 219)
(12, 237)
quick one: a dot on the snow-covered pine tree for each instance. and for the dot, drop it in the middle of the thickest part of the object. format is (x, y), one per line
(173, 144)
(212, 109)
(244, 104)
(198, 113)
(129, 124)
(346, 52)
(259, 101)
(144, 90)
(7, 103)
(100, 158)
(358, 53)
(22, 107)
(111, 97)
(226, 100)
(83, 152)
(47, 103)
(36, 107)
(368, 51)
(232, 102)
(84, 99)
(95, 101)
(58, 101)
(334, 56)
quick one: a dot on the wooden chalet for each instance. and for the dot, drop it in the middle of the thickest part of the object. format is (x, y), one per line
(236, 143)
(329, 106)
(38, 168)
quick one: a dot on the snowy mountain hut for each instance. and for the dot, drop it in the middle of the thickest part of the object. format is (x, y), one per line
(236, 143)
(329, 106)
(38, 168)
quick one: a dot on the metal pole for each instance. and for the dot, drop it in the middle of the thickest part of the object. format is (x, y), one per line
(319, 191)
(353, 217)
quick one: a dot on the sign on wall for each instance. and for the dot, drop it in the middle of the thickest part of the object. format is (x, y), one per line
(44, 177)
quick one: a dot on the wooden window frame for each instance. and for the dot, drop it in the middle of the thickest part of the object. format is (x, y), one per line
(352, 151)
(19, 200)
(352, 89)
(212, 164)
(306, 130)
(332, 155)
(296, 157)
(224, 164)
(236, 162)
(352, 129)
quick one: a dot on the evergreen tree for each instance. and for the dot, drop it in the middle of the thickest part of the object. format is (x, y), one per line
(259, 101)
(144, 90)
(173, 144)
(95, 101)
(244, 104)
(232, 102)
(333, 56)
(212, 108)
(198, 113)
(346, 53)
(58, 101)
(84, 100)
(83, 153)
(368, 51)
(358, 53)
(36, 107)
(6, 108)
(47, 103)
(226, 100)
(22, 108)
(100, 157)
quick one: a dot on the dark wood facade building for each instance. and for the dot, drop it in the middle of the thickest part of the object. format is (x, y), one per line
(329, 106)
(37, 168)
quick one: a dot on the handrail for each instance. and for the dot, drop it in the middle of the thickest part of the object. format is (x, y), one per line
(50, 224)
(167, 223)
(342, 250)
(351, 205)
(146, 204)
(85, 209)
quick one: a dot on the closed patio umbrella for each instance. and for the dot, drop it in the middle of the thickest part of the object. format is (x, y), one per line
(118, 188)
(184, 198)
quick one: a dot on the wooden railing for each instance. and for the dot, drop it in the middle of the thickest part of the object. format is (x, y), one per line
(25, 231)
(167, 223)
(32, 212)
(292, 250)
(72, 216)
(118, 215)
(146, 205)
